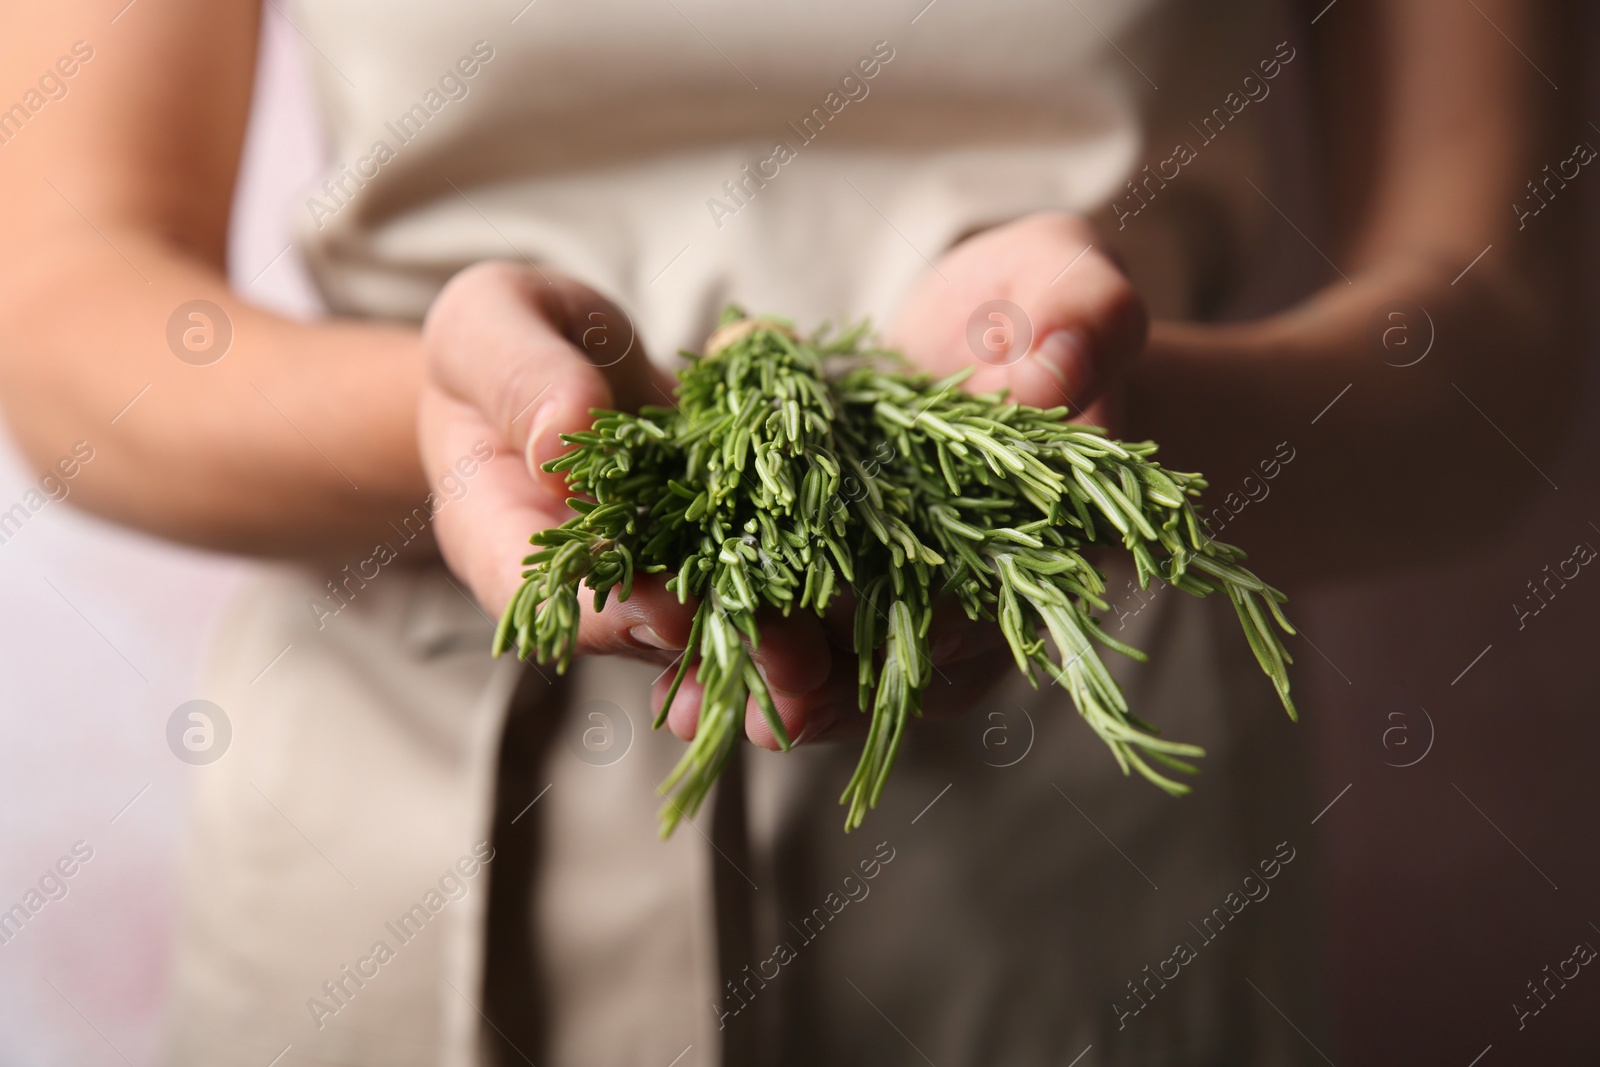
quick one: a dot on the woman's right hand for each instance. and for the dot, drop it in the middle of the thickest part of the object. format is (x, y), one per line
(513, 357)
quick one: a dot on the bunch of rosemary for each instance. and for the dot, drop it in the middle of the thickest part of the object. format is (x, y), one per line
(792, 470)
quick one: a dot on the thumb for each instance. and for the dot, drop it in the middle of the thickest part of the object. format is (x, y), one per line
(534, 353)
(1036, 307)
(1060, 344)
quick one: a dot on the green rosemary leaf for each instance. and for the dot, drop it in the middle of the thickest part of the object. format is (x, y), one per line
(791, 469)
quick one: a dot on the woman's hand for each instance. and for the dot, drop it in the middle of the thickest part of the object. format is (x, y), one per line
(1035, 307)
(1069, 326)
(1040, 313)
(513, 358)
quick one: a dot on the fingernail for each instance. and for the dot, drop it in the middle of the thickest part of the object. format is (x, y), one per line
(813, 727)
(1065, 354)
(647, 636)
(537, 452)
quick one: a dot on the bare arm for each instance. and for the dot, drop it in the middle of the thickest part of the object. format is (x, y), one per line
(114, 200)
(1435, 122)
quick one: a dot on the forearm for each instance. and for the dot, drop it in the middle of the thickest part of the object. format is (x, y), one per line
(299, 441)
(1432, 127)
(1391, 461)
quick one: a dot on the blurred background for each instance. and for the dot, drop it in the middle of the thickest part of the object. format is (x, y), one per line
(1456, 746)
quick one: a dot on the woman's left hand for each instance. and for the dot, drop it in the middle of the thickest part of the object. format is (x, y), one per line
(1037, 307)
(1039, 311)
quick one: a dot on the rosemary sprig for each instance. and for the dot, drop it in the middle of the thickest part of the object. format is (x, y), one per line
(792, 470)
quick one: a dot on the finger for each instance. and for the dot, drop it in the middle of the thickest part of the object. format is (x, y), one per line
(839, 620)
(806, 716)
(960, 649)
(1087, 325)
(683, 718)
(517, 345)
(1036, 307)
(793, 654)
(952, 690)
(803, 716)
(952, 636)
(649, 625)
(1062, 342)
(484, 506)
(479, 528)
(794, 659)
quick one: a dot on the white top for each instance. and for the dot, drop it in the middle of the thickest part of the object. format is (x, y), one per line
(808, 160)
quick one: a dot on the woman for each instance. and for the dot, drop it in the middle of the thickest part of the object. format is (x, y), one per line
(385, 868)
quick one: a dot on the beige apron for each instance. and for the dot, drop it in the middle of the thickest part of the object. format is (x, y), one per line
(1014, 900)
